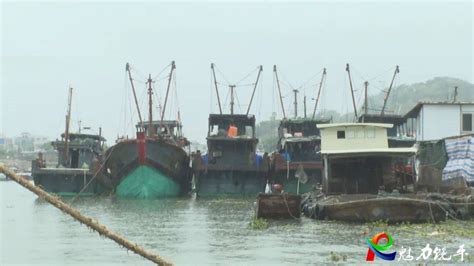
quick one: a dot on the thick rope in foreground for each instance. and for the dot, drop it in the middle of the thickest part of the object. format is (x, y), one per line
(95, 225)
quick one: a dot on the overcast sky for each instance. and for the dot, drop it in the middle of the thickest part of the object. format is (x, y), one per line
(48, 46)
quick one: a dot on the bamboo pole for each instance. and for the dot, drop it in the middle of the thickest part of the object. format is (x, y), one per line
(95, 225)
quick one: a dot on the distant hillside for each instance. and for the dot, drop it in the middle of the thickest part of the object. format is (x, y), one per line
(402, 99)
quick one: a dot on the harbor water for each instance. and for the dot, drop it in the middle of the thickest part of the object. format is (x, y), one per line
(197, 232)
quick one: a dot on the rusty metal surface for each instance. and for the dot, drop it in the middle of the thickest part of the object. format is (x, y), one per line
(278, 206)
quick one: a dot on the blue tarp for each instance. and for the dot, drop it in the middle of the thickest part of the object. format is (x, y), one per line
(460, 152)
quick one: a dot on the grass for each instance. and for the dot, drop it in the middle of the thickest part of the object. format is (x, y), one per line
(258, 224)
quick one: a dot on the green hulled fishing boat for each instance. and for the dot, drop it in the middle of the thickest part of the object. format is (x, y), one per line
(154, 164)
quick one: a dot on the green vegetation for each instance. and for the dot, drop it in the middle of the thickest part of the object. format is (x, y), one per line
(258, 224)
(334, 257)
(443, 231)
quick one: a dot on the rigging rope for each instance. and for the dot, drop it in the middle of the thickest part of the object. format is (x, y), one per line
(238, 103)
(159, 73)
(248, 75)
(222, 74)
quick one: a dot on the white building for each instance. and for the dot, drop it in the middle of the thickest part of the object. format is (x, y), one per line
(438, 120)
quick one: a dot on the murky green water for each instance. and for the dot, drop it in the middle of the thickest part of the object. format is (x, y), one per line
(195, 232)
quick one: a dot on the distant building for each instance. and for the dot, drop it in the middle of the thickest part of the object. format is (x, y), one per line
(438, 120)
(27, 142)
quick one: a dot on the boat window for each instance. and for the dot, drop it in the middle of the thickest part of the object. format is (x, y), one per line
(341, 134)
(466, 122)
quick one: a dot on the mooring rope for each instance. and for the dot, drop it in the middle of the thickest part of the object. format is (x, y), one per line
(95, 225)
(288, 207)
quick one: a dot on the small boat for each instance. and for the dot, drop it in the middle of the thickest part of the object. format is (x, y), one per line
(371, 208)
(154, 164)
(78, 161)
(278, 206)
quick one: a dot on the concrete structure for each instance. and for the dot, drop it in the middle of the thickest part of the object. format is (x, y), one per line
(438, 120)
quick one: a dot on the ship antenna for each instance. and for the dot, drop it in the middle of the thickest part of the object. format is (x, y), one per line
(68, 121)
(352, 90)
(319, 92)
(260, 69)
(279, 91)
(150, 107)
(366, 100)
(304, 103)
(296, 102)
(397, 70)
(217, 90)
(127, 68)
(232, 87)
(455, 93)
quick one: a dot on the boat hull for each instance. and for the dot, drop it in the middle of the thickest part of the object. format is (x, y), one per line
(66, 182)
(284, 173)
(389, 209)
(150, 169)
(278, 206)
(230, 183)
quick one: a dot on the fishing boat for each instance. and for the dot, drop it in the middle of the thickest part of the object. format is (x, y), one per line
(154, 164)
(297, 164)
(231, 165)
(78, 162)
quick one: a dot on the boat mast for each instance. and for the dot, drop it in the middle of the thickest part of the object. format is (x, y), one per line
(279, 90)
(296, 102)
(232, 87)
(319, 92)
(150, 107)
(217, 90)
(352, 90)
(397, 70)
(173, 66)
(68, 121)
(254, 88)
(366, 101)
(127, 68)
(304, 102)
